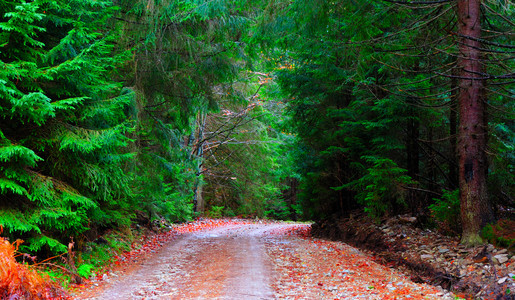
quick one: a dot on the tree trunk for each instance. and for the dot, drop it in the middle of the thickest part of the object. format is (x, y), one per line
(453, 132)
(475, 207)
(199, 199)
(431, 155)
(412, 140)
(198, 152)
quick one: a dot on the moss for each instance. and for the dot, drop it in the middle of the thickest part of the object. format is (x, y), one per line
(472, 239)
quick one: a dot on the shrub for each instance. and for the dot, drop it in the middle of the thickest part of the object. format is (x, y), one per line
(20, 281)
(85, 270)
(501, 234)
(276, 208)
(216, 212)
(382, 187)
(446, 211)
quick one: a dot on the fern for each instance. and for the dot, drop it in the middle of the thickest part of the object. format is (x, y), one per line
(19, 280)
(84, 270)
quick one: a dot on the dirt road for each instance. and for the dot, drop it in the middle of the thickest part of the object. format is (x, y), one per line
(258, 261)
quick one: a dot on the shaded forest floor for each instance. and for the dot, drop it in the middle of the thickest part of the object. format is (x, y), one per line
(483, 272)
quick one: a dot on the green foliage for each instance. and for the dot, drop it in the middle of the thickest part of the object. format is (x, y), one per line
(78, 150)
(277, 209)
(18, 154)
(15, 220)
(446, 210)
(154, 105)
(500, 234)
(190, 52)
(246, 153)
(382, 187)
(62, 122)
(216, 212)
(97, 256)
(362, 80)
(37, 243)
(502, 165)
(163, 185)
(84, 270)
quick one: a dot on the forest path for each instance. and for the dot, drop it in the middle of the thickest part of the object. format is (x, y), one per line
(258, 261)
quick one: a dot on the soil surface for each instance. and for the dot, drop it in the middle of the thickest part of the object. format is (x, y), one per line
(253, 260)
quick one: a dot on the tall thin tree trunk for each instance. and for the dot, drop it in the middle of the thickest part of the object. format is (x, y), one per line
(412, 140)
(431, 153)
(198, 201)
(475, 206)
(453, 132)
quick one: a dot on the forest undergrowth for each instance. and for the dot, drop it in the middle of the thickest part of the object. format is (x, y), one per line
(427, 255)
(20, 281)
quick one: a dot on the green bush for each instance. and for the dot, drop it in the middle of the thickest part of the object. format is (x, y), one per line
(216, 212)
(381, 188)
(63, 123)
(446, 211)
(84, 270)
(276, 208)
(99, 255)
(228, 212)
(501, 234)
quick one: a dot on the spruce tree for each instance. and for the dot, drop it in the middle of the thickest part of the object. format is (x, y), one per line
(375, 90)
(63, 122)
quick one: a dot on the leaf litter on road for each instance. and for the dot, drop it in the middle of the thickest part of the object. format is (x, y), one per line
(303, 267)
(309, 268)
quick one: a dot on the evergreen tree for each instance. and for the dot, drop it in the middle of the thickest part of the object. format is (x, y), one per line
(474, 58)
(374, 96)
(243, 156)
(186, 56)
(476, 210)
(62, 122)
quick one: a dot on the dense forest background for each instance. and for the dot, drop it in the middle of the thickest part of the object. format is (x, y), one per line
(114, 112)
